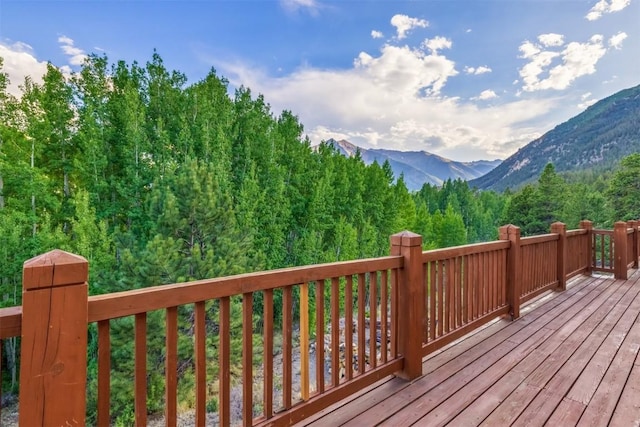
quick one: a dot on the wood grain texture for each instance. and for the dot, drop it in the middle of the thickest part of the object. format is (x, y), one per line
(140, 375)
(54, 340)
(224, 356)
(200, 342)
(104, 374)
(171, 368)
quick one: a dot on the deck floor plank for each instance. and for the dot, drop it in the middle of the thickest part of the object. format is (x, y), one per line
(605, 339)
(604, 401)
(505, 385)
(423, 395)
(572, 358)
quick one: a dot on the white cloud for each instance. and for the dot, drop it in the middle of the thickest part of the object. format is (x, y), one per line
(588, 103)
(605, 6)
(485, 95)
(404, 24)
(296, 5)
(551, 39)
(585, 96)
(394, 97)
(20, 62)
(477, 70)
(616, 41)
(376, 34)
(575, 60)
(76, 55)
(437, 43)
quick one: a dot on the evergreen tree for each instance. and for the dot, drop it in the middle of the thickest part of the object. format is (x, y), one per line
(624, 190)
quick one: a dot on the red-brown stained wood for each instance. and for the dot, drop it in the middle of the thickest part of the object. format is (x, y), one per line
(319, 402)
(224, 407)
(486, 257)
(201, 363)
(384, 305)
(247, 359)
(335, 331)
(373, 319)
(304, 341)
(468, 288)
(268, 353)
(361, 324)
(457, 288)
(602, 405)
(10, 322)
(451, 299)
(394, 313)
(287, 346)
(53, 372)
(560, 371)
(411, 296)
(627, 410)
(551, 311)
(440, 302)
(432, 316)
(104, 374)
(109, 306)
(477, 283)
(567, 413)
(440, 254)
(620, 246)
(171, 368)
(140, 375)
(320, 335)
(348, 327)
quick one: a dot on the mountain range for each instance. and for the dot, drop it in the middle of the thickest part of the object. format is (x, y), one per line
(418, 167)
(595, 139)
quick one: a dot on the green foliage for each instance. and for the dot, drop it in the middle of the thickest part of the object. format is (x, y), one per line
(156, 181)
(624, 189)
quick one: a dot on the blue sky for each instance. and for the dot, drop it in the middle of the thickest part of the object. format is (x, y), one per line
(465, 79)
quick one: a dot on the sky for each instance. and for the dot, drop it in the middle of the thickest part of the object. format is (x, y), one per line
(464, 79)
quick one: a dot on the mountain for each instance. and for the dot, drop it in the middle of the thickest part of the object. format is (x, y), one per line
(418, 167)
(597, 138)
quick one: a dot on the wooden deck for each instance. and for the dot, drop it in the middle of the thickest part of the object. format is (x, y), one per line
(571, 359)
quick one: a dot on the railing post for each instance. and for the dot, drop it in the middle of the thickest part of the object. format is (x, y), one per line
(411, 301)
(634, 225)
(561, 230)
(53, 370)
(620, 250)
(588, 225)
(512, 234)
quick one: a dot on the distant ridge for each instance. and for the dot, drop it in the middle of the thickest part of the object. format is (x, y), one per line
(597, 138)
(418, 167)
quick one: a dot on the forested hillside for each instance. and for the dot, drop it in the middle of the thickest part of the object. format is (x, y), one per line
(594, 140)
(156, 180)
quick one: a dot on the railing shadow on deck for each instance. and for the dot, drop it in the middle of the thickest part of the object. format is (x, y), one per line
(340, 326)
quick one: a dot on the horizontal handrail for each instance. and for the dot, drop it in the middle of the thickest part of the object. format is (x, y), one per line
(577, 232)
(439, 254)
(603, 232)
(10, 322)
(127, 303)
(543, 238)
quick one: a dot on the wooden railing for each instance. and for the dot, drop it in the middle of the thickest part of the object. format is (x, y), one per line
(539, 271)
(578, 253)
(466, 286)
(602, 254)
(393, 310)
